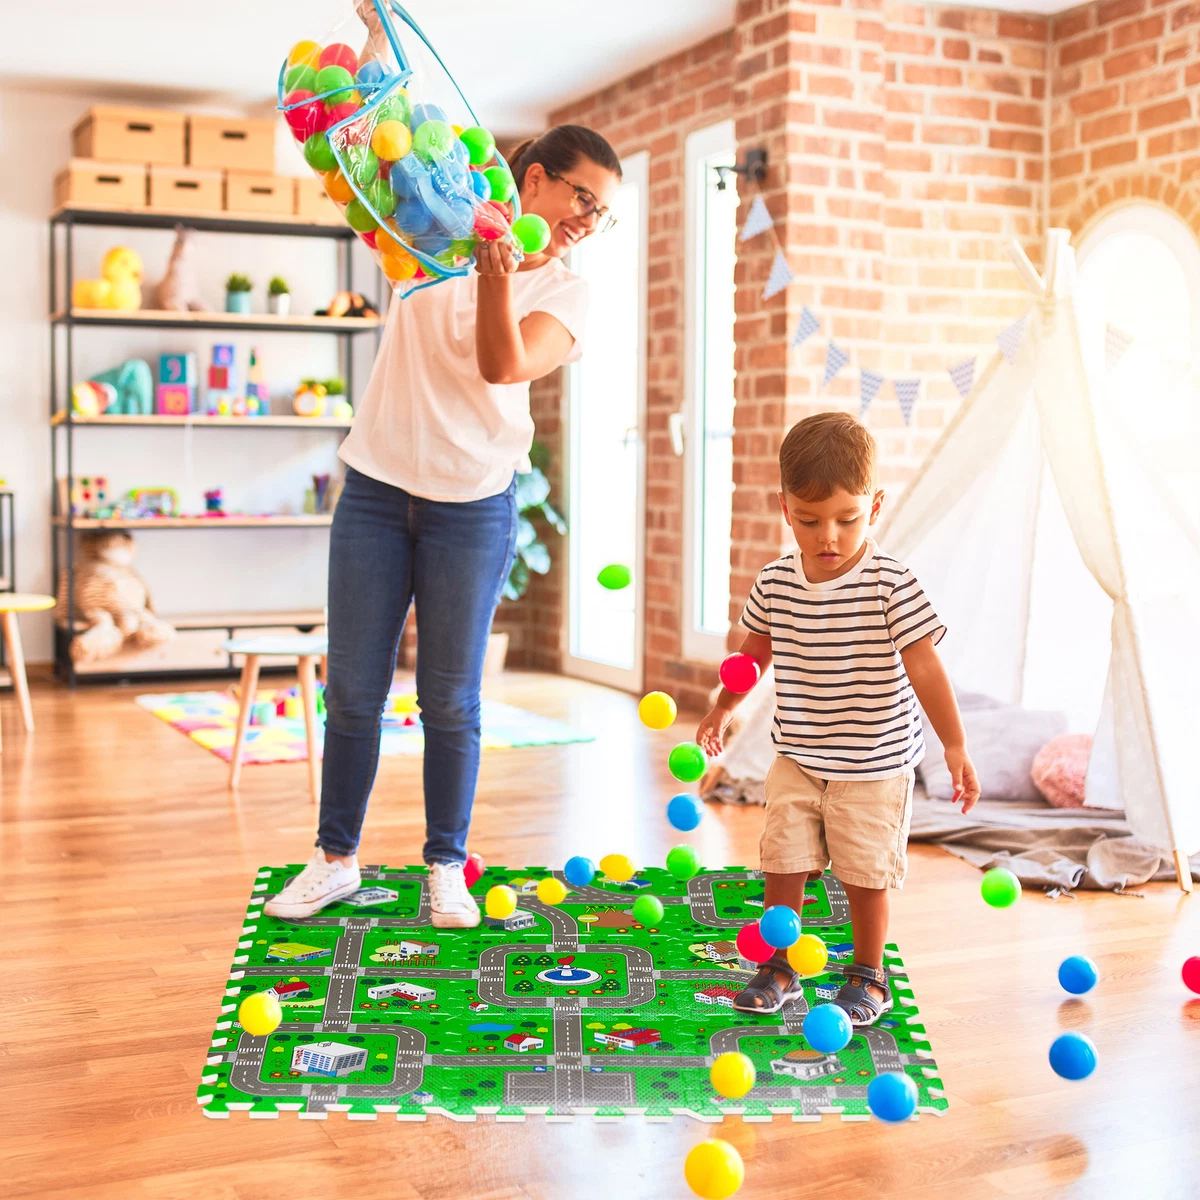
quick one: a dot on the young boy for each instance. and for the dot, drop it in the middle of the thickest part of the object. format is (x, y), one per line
(852, 637)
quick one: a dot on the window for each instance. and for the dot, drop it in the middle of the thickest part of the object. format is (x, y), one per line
(707, 418)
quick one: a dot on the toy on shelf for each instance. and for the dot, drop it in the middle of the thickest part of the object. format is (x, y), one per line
(348, 304)
(214, 503)
(309, 400)
(237, 294)
(258, 402)
(279, 296)
(88, 498)
(335, 391)
(176, 392)
(151, 502)
(176, 291)
(119, 285)
(398, 148)
(91, 399)
(133, 385)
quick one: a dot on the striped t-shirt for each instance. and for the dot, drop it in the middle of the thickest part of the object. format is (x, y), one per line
(844, 708)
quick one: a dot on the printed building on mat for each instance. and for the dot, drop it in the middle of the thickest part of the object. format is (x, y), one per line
(806, 1064)
(285, 991)
(328, 1058)
(522, 1043)
(294, 952)
(717, 993)
(629, 1039)
(403, 991)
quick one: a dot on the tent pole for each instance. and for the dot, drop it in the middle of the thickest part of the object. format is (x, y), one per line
(1183, 871)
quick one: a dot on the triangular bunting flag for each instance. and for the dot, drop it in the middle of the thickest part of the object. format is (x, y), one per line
(806, 327)
(835, 359)
(758, 221)
(906, 392)
(780, 277)
(868, 389)
(963, 375)
(1116, 342)
(1010, 339)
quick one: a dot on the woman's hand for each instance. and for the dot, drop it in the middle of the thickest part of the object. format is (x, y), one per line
(712, 729)
(500, 257)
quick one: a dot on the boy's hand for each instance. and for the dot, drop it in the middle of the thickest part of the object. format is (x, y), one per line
(962, 772)
(711, 729)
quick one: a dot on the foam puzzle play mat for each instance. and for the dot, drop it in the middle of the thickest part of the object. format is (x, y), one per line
(560, 1011)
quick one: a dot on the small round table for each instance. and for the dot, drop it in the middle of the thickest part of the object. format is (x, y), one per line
(12, 603)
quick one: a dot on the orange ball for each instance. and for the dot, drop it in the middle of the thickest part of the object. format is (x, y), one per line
(398, 268)
(337, 187)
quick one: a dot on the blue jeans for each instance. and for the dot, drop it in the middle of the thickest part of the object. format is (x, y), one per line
(388, 548)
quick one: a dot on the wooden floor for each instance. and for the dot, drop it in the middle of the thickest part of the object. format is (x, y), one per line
(126, 870)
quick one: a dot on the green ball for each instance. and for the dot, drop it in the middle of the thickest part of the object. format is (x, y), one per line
(381, 196)
(1000, 888)
(318, 153)
(434, 139)
(502, 183)
(333, 79)
(362, 165)
(647, 910)
(479, 143)
(687, 762)
(357, 216)
(615, 577)
(683, 862)
(301, 75)
(532, 232)
(397, 107)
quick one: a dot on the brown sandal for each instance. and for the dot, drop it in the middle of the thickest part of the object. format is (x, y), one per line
(770, 989)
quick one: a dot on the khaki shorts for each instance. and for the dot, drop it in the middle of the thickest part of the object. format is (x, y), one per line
(859, 828)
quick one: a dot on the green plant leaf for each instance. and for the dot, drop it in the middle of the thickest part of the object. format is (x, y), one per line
(526, 534)
(539, 456)
(537, 558)
(518, 579)
(550, 515)
(532, 489)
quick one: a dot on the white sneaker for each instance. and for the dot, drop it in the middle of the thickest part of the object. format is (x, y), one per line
(317, 886)
(453, 906)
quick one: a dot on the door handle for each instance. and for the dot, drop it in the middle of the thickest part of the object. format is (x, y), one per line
(675, 426)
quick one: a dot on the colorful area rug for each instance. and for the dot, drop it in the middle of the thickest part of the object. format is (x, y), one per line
(210, 720)
(571, 1010)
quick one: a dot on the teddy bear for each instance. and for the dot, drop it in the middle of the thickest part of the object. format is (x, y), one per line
(111, 599)
(120, 284)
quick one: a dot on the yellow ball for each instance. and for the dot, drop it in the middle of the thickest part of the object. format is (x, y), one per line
(713, 1169)
(657, 710)
(304, 52)
(551, 891)
(618, 867)
(260, 1014)
(391, 140)
(500, 902)
(338, 188)
(732, 1075)
(808, 955)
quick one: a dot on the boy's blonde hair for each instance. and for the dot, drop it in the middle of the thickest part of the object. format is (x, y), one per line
(824, 453)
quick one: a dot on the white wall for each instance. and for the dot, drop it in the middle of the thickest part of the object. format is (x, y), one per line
(265, 470)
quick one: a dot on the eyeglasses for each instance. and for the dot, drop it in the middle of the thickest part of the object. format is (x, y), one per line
(584, 204)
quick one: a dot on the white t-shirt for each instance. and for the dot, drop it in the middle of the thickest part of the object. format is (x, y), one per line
(844, 708)
(428, 422)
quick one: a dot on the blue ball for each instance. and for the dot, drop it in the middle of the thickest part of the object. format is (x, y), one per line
(684, 811)
(413, 217)
(779, 926)
(579, 871)
(426, 112)
(892, 1096)
(1072, 1055)
(1077, 974)
(827, 1028)
(371, 74)
(482, 185)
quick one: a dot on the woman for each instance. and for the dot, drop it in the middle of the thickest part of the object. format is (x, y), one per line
(428, 513)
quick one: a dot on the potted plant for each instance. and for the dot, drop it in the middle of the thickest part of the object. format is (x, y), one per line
(335, 390)
(237, 293)
(279, 296)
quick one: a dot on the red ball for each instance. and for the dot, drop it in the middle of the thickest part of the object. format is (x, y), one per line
(305, 120)
(339, 112)
(739, 673)
(369, 238)
(1191, 974)
(473, 868)
(752, 945)
(338, 54)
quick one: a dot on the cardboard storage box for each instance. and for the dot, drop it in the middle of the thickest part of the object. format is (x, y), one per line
(85, 181)
(313, 203)
(131, 135)
(258, 192)
(183, 189)
(232, 143)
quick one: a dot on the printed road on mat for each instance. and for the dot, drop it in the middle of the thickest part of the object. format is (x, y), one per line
(559, 1011)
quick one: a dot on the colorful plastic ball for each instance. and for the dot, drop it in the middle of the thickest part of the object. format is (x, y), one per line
(428, 112)
(362, 165)
(1072, 1056)
(479, 143)
(304, 52)
(260, 1014)
(808, 955)
(371, 74)
(657, 710)
(367, 237)
(474, 867)
(318, 153)
(827, 1028)
(480, 185)
(300, 78)
(338, 54)
(391, 140)
(358, 216)
(579, 871)
(684, 811)
(892, 1096)
(395, 106)
(683, 862)
(398, 267)
(412, 216)
(714, 1169)
(500, 902)
(779, 926)
(647, 911)
(381, 197)
(303, 119)
(618, 867)
(615, 576)
(739, 673)
(336, 113)
(551, 890)
(488, 225)
(732, 1075)
(433, 140)
(333, 82)
(502, 182)
(337, 187)
(1191, 974)
(751, 944)
(1000, 887)
(532, 233)
(687, 762)
(1077, 974)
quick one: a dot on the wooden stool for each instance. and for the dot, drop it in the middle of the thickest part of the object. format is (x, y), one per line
(12, 603)
(306, 648)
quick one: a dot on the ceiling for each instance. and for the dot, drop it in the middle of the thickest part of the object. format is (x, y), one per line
(515, 61)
